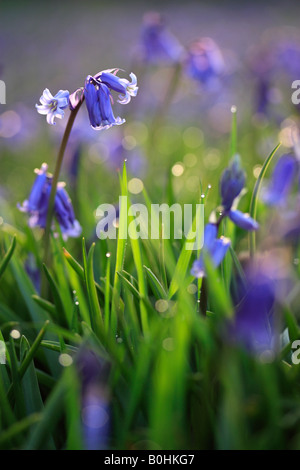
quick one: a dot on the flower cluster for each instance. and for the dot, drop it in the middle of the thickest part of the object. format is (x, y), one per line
(98, 97)
(231, 186)
(37, 205)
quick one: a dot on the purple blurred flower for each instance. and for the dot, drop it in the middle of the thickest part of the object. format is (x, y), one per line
(232, 182)
(95, 410)
(288, 57)
(157, 43)
(253, 324)
(242, 220)
(33, 272)
(282, 178)
(37, 205)
(231, 185)
(215, 248)
(64, 213)
(53, 106)
(204, 62)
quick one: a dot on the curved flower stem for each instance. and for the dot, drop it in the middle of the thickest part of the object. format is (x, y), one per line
(163, 106)
(254, 198)
(55, 178)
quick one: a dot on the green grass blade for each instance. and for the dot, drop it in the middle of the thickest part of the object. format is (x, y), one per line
(7, 256)
(96, 316)
(254, 198)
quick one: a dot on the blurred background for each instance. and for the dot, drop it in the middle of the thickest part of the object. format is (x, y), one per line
(180, 121)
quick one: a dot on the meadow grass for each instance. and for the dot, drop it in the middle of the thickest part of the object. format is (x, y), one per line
(173, 378)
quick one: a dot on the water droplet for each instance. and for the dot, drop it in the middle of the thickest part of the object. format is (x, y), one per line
(161, 305)
(65, 360)
(15, 334)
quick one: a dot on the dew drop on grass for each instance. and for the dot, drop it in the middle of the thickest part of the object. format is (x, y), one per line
(168, 344)
(192, 289)
(15, 334)
(161, 305)
(65, 360)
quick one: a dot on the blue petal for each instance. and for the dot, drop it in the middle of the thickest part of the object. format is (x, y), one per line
(281, 181)
(91, 99)
(219, 250)
(37, 188)
(104, 98)
(210, 234)
(198, 267)
(243, 220)
(113, 82)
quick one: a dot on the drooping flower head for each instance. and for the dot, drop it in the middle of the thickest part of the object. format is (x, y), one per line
(268, 280)
(281, 181)
(232, 182)
(53, 106)
(213, 247)
(231, 186)
(204, 62)
(37, 205)
(157, 43)
(97, 94)
(253, 326)
(98, 97)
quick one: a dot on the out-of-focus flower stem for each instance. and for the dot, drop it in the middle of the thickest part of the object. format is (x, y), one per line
(254, 198)
(56, 173)
(163, 106)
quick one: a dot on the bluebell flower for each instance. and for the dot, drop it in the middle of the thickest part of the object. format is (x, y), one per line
(204, 62)
(232, 183)
(53, 106)
(215, 248)
(37, 205)
(282, 178)
(157, 43)
(64, 213)
(98, 97)
(268, 281)
(263, 88)
(253, 324)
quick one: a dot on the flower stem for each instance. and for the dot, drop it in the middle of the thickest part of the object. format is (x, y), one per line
(162, 108)
(254, 199)
(55, 178)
